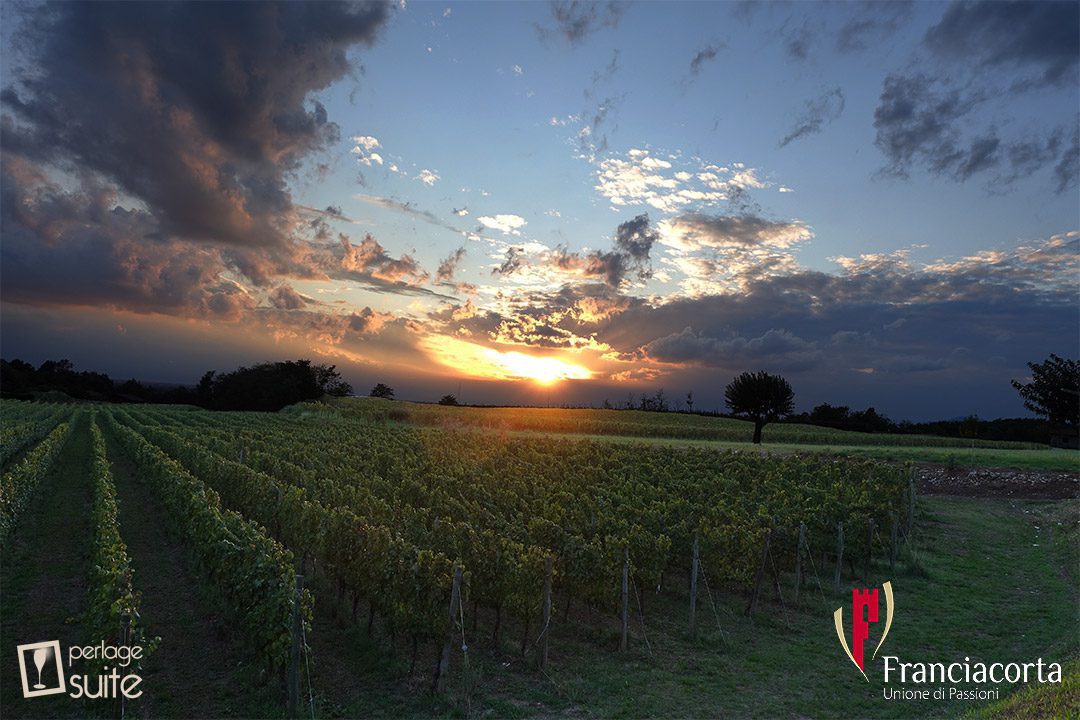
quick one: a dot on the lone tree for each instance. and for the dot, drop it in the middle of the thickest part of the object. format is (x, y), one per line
(382, 390)
(448, 400)
(1054, 391)
(761, 397)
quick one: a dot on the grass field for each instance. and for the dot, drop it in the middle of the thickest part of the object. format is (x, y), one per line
(995, 580)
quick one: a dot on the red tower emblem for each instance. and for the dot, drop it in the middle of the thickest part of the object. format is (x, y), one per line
(864, 612)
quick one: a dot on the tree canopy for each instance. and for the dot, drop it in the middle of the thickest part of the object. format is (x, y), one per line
(270, 386)
(1054, 390)
(381, 390)
(760, 397)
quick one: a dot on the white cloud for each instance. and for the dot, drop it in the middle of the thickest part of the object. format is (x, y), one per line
(786, 189)
(366, 142)
(461, 212)
(518, 70)
(508, 224)
(428, 177)
(446, 12)
(644, 179)
(553, 213)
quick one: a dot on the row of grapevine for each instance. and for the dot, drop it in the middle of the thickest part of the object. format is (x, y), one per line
(252, 571)
(408, 584)
(18, 483)
(112, 595)
(24, 425)
(500, 505)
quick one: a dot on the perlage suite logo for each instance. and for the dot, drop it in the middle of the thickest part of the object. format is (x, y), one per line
(864, 610)
(41, 663)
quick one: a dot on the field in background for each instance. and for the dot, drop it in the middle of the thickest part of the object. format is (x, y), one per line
(716, 432)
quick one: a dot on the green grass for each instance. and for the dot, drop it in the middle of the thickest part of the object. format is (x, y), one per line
(1040, 701)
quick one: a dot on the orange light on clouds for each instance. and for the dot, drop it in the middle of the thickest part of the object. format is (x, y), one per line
(484, 362)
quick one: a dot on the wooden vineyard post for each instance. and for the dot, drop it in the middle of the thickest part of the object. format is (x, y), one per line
(694, 565)
(869, 547)
(125, 641)
(799, 560)
(545, 628)
(623, 644)
(910, 503)
(293, 697)
(892, 545)
(443, 668)
(839, 553)
(760, 576)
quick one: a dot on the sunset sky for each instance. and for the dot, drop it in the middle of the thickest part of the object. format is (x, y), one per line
(549, 202)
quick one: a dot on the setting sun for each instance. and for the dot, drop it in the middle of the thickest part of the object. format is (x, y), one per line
(484, 362)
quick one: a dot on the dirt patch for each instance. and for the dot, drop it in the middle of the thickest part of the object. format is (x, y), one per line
(996, 482)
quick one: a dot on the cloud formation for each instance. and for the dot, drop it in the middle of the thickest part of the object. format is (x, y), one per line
(508, 224)
(872, 23)
(703, 56)
(447, 268)
(645, 179)
(202, 127)
(576, 20)
(695, 231)
(817, 113)
(919, 121)
(1038, 35)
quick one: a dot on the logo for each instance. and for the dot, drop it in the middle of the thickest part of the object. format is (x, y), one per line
(864, 610)
(42, 669)
(41, 663)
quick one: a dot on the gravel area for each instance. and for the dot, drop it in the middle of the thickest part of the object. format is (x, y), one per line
(996, 482)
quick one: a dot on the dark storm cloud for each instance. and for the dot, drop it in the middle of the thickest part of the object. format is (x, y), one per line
(75, 247)
(816, 114)
(1040, 35)
(575, 20)
(703, 56)
(199, 110)
(920, 122)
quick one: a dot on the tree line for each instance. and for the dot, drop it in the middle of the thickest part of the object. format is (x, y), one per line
(265, 386)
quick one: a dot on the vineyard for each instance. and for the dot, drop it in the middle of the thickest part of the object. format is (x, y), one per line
(454, 543)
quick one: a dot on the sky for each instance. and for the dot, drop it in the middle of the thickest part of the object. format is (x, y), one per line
(549, 203)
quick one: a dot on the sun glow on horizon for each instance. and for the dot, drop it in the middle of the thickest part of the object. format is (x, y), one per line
(491, 364)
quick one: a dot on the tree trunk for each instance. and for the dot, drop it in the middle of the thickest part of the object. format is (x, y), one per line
(758, 425)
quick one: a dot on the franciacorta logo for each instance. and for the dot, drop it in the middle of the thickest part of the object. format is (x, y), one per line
(864, 611)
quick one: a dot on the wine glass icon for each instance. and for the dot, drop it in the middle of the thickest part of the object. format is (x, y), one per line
(41, 656)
